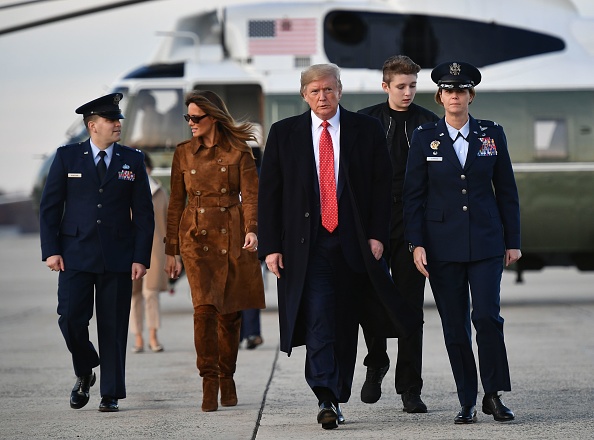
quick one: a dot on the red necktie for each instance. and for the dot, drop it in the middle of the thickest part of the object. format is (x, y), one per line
(327, 181)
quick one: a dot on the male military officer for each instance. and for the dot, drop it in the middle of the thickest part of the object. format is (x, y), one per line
(96, 224)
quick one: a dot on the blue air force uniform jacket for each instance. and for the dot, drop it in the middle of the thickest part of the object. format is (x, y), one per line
(97, 226)
(457, 213)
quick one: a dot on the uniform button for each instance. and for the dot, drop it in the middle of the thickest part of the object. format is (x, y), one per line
(99, 206)
(306, 214)
(463, 191)
(223, 169)
(223, 190)
(201, 210)
(465, 208)
(193, 172)
(98, 222)
(205, 248)
(100, 190)
(463, 177)
(203, 232)
(223, 231)
(223, 209)
(219, 160)
(223, 251)
(198, 193)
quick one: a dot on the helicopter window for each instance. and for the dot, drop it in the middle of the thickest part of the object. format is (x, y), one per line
(154, 119)
(355, 39)
(550, 138)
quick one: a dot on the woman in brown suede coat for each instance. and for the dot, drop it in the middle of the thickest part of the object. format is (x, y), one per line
(212, 226)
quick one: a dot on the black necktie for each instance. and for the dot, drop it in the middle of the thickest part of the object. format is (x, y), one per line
(101, 165)
(459, 135)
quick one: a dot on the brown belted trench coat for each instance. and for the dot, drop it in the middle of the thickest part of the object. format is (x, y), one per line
(213, 204)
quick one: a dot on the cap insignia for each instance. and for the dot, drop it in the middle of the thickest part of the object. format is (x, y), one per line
(455, 69)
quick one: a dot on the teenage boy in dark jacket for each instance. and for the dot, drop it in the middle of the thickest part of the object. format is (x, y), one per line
(399, 117)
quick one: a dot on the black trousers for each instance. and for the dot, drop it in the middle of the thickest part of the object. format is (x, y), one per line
(329, 312)
(112, 293)
(410, 283)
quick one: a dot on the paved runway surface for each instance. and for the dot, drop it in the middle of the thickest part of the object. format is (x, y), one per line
(549, 326)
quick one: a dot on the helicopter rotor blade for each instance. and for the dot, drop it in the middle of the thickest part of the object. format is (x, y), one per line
(63, 17)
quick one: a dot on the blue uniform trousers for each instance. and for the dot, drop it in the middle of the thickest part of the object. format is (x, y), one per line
(450, 282)
(112, 292)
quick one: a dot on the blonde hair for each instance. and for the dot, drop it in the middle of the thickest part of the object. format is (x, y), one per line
(318, 71)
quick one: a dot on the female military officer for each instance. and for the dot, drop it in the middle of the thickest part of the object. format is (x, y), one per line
(462, 220)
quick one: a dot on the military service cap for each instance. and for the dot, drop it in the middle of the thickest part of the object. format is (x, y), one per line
(455, 75)
(107, 107)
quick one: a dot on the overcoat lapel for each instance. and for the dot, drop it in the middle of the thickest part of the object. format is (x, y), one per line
(302, 150)
(348, 130)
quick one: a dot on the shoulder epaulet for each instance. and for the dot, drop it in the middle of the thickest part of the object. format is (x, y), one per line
(487, 123)
(427, 125)
(184, 142)
(135, 150)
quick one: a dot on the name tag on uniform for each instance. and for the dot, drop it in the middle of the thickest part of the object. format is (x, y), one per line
(434, 159)
(74, 174)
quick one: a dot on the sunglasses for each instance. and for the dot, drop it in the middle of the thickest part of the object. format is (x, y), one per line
(195, 119)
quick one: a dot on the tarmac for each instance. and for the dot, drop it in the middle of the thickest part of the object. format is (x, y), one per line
(549, 328)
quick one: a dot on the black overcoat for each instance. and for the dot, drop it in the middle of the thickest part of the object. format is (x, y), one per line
(289, 217)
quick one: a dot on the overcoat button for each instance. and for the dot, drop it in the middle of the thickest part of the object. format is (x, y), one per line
(198, 193)
(223, 231)
(223, 169)
(201, 210)
(205, 248)
(464, 208)
(307, 214)
(303, 240)
(193, 172)
(223, 251)
(223, 209)
(223, 190)
(203, 232)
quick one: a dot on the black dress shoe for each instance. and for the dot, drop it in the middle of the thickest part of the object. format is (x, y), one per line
(108, 404)
(413, 403)
(339, 417)
(467, 414)
(327, 415)
(79, 396)
(492, 404)
(372, 388)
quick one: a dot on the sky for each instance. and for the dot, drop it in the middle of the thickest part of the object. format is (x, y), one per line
(49, 71)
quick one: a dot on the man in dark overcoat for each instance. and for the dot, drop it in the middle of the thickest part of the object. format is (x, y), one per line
(96, 225)
(326, 247)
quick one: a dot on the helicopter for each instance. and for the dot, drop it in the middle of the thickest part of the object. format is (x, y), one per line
(536, 58)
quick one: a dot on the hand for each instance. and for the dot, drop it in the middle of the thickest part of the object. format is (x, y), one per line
(251, 242)
(512, 255)
(55, 263)
(420, 259)
(138, 271)
(173, 266)
(274, 263)
(377, 248)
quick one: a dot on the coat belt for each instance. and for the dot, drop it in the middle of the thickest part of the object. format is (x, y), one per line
(210, 201)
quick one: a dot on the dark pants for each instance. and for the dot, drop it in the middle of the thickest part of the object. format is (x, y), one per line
(112, 293)
(331, 321)
(250, 323)
(450, 283)
(410, 283)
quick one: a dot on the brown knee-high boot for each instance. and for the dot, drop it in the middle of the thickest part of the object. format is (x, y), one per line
(229, 327)
(207, 354)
